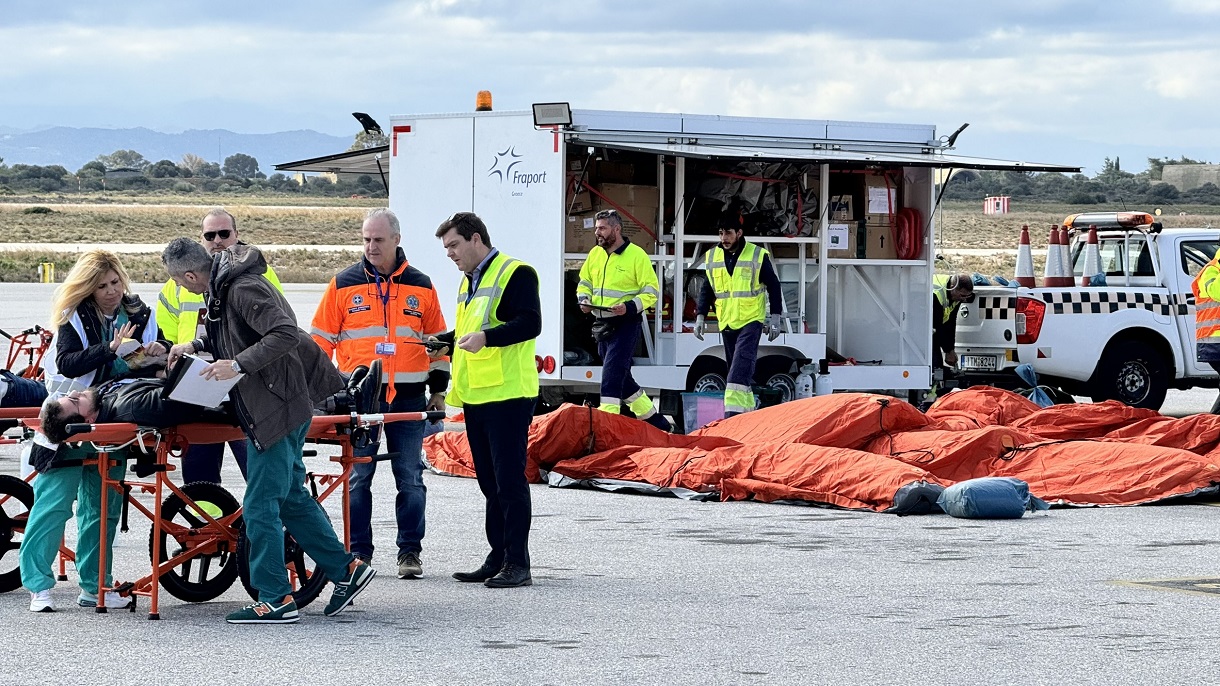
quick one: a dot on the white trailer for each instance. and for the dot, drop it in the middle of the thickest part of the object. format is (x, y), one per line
(535, 187)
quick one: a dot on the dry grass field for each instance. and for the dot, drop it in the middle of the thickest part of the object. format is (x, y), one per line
(959, 226)
(160, 223)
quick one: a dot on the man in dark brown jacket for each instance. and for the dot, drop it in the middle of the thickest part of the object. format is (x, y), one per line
(251, 330)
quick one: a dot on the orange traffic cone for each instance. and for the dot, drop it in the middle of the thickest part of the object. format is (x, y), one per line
(1092, 258)
(1065, 259)
(1050, 273)
(1025, 261)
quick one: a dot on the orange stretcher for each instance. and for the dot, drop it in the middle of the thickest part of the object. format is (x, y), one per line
(203, 520)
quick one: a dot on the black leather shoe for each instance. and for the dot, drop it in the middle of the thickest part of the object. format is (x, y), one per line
(481, 574)
(511, 576)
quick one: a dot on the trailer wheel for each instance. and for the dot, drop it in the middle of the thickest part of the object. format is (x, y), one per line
(707, 375)
(775, 372)
(1131, 372)
(16, 499)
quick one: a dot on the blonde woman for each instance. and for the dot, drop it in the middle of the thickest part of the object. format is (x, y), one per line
(93, 311)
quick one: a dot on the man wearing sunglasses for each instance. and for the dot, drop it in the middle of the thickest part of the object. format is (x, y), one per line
(178, 318)
(948, 294)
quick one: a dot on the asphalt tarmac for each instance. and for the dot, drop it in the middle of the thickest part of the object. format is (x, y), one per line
(634, 589)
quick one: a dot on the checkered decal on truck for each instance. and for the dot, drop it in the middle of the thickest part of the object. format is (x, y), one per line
(995, 307)
(1105, 302)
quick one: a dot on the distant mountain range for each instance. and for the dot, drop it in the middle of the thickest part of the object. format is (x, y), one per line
(73, 147)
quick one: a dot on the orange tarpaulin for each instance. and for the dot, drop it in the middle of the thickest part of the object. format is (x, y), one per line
(859, 450)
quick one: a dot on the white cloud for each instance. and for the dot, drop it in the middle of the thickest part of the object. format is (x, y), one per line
(1120, 72)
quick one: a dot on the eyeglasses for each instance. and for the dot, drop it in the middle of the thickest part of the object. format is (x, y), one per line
(606, 214)
(223, 233)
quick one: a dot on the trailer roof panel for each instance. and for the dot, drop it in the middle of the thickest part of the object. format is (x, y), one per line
(842, 152)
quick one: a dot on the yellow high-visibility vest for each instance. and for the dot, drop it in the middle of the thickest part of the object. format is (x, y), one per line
(492, 374)
(740, 297)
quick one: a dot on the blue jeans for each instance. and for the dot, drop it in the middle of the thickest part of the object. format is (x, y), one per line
(22, 392)
(202, 461)
(406, 439)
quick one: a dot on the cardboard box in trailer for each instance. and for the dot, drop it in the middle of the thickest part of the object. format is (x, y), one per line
(843, 207)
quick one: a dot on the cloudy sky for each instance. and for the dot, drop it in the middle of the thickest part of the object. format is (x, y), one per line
(1041, 80)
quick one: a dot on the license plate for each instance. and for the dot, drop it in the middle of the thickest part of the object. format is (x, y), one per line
(979, 362)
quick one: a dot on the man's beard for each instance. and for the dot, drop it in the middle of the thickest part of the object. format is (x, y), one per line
(94, 402)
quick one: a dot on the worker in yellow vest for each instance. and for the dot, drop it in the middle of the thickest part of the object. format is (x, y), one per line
(948, 294)
(1206, 287)
(740, 281)
(495, 381)
(617, 283)
(178, 318)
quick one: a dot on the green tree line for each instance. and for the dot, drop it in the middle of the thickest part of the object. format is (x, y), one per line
(1109, 186)
(128, 170)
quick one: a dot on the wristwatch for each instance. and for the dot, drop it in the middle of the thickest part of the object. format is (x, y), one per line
(236, 367)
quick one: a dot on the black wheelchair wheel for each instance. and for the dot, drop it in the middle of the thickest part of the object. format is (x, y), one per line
(16, 499)
(303, 573)
(207, 576)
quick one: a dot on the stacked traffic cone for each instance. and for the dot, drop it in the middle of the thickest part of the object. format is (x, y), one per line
(1065, 259)
(1092, 258)
(1025, 261)
(1052, 271)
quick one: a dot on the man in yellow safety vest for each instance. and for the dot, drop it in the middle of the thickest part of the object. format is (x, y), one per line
(740, 281)
(495, 381)
(178, 318)
(1206, 287)
(617, 283)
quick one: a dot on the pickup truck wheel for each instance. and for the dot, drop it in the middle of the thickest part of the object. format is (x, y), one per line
(1133, 373)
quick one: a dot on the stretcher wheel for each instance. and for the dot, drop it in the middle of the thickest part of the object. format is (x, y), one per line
(16, 499)
(303, 573)
(206, 576)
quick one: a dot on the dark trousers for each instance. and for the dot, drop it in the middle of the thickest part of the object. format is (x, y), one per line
(741, 353)
(497, 433)
(202, 461)
(616, 353)
(617, 381)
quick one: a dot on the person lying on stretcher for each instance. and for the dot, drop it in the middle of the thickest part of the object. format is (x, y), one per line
(140, 401)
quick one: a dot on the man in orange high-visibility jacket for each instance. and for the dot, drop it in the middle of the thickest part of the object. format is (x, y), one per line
(382, 307)
(1207, 317)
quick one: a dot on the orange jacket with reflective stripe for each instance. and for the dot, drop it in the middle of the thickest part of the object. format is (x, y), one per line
(361, 309)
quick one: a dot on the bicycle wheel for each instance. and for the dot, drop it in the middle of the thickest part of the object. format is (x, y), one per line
(16, 499)
(211, 573)
(303, 573)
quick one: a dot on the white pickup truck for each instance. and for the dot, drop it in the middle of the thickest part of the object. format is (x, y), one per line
(1130, 340)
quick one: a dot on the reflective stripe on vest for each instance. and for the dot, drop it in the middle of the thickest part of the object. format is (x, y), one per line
(492, 374)
(1207, 309)
(939, 283)
(740, 296)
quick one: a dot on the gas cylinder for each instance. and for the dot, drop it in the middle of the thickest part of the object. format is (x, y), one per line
(823, 385)
(804, 382)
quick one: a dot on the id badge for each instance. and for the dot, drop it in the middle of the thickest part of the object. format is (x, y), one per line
(386, 348)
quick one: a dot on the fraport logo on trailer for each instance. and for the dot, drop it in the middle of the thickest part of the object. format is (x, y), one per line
(504, 167)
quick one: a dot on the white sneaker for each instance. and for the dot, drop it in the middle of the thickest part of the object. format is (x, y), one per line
(41, 601)
(113, 600)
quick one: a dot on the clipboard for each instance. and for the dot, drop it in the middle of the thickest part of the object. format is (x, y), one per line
(185, 385)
